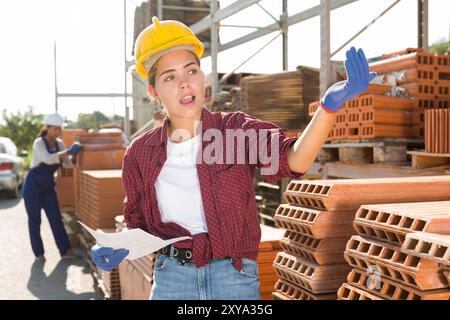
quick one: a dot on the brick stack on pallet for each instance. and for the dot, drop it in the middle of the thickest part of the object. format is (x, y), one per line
(380, 269)
(101, 151)
(281, 98)
(101, 197)
(318, 219)
(65, 178)
(101, 141)
(65, 189)
(420, 75)
(374, 115)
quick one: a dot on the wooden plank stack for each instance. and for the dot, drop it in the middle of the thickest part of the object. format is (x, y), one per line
(281, 98)
(318, 219)
(380, 267)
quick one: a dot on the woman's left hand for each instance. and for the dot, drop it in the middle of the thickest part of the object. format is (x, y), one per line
(358, 78)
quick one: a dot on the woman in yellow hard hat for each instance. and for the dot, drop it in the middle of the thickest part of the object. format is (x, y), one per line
(193, 175)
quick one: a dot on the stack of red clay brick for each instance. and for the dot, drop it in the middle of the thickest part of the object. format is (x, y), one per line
(136, 276)
(370, 116)
(101, 151)
(423, 76)
(101, 197)
(419, 81)
(319, 222)
(65, 179)
(437, 130)
(383, 268)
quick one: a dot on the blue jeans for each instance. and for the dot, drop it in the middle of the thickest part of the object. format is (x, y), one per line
(218, 280)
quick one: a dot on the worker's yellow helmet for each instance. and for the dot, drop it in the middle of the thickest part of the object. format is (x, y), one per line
(160, 38)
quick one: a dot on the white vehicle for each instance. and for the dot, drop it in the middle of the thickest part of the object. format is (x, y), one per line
(12, 171)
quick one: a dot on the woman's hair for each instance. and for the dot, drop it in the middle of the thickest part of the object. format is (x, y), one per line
(43, 132)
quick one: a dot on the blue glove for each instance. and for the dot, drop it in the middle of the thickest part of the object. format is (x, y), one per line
(74, 149)
(107, 258)
(358, 78)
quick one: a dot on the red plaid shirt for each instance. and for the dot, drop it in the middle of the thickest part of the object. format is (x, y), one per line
(227, 191)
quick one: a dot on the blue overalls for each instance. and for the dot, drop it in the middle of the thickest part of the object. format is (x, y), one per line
(39, 193)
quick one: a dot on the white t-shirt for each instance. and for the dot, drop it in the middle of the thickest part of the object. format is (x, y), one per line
(40, 154)
(178, 187)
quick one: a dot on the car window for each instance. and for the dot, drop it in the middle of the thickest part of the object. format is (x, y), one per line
(11, 148)
(2, 148)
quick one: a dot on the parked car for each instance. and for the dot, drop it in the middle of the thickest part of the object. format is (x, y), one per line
(12, 169)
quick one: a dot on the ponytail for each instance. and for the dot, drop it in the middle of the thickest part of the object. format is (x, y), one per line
(43, 132)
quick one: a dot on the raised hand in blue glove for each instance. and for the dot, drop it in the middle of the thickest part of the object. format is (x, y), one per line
(358, 78)
(74, 149)
(107, 258)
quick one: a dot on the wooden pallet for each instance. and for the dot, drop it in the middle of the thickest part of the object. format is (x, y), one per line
(366, 151)
(422, 160)
(389, 262)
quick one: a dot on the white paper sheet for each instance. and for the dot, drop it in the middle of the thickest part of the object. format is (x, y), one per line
(138, 242)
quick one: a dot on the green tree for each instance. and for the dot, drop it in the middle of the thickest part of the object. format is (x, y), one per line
(21, 127)
(439, 48)
(91, 120)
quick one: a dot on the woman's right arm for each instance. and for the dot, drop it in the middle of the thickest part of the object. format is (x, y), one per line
(42, 155)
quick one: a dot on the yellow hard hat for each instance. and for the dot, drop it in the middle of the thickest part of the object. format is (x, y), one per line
(160, 38)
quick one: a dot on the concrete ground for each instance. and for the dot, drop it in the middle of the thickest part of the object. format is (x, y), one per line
(21, 277)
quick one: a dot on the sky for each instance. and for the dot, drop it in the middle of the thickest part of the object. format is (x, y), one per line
(89, 35)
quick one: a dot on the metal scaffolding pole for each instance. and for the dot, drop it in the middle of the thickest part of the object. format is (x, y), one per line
(294, 19)
(160, 9)
(422, 24)
(285, 28)
(56, 80)
(221, 14)
(365, 27)
(325, 55)
(214, 50)
(126, 123)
